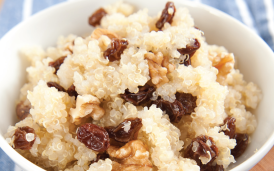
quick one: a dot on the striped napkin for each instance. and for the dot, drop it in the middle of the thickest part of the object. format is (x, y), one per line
(256, 14)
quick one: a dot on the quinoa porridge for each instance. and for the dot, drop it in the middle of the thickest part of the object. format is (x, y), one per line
(139, 93)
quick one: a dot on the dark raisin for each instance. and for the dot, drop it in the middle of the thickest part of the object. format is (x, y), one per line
(211, 167)
(242, 142)
(143, 96)
(167, 15)
(174, 110)
(56, 85)
(188, 101)
(119, 134)
(199, 147)
(100, 156)
(197, 28)
(187, 60)
(72, 92)
(189, 50)
(22, 111)
(57, 63)
(95, 18)
(115, 51)
(20, 140)
(229, 127)
(94, 137)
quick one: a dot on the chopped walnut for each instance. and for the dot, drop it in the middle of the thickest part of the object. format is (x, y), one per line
(169, 66)
(132, 156)
(224, 62)
(159, 66)
(97, 33)
(86, 105)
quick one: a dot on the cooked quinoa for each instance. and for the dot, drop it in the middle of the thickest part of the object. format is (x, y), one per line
(84, 84)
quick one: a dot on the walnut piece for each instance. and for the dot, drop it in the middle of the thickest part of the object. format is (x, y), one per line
(170, 67)
(159, 66)
(86, 105)
(97, 33)
(224, 62)
(132, 156)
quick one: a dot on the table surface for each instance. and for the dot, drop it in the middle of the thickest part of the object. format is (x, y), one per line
(266, 164)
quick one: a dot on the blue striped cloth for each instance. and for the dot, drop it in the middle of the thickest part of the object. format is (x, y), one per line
(256, 14)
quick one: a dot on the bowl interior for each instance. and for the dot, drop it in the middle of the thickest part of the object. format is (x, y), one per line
(255, 60)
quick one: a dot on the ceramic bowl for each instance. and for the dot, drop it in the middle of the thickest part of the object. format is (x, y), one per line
(255, 60)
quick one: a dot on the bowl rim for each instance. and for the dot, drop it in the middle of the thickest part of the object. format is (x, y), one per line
(26, 164)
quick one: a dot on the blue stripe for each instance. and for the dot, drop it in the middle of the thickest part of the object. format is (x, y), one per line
(258, 12)
(39, 5)
(228, 6)
(10, 15)
(6, 164)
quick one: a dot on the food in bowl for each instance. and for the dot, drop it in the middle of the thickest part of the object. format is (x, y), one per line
(138, 93)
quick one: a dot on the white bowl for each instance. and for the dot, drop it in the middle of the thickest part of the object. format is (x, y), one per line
(255, 60)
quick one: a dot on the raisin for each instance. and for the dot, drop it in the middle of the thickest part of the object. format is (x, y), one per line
(143, 96)
(190, 51)
(94, 137)
(95, 18)
(188, 101)
(100, 156)
(119, 134)
(242, 142)
(174, 110)
(197, 28)
(72, 92)
(22, 111)
(115, 51)
(229, 127)
(211, 168)
(167, 15)
(199, 147)
(20, 139)
(57, 63)
(56, 85)
(187, 60)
